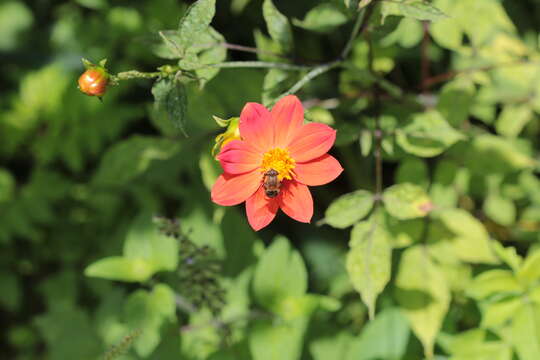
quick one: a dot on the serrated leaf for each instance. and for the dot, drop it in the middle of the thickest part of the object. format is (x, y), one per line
(406, 201)
(121, 269)
(278, 26)
(418, 10)
(129, 158)
(427, 135)
(322, 18)
(349, 209)
(195, 21)
(423, 294)
(279, 274)
(369, 260)
(171, 100)
(214, 54)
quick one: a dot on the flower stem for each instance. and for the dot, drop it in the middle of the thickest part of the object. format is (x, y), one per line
(258, 64)
(135, 74)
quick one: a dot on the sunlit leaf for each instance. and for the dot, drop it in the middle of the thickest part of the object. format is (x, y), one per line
(423, 295)
(278, 26)
(406, 201)
(369, 260)
(349, 209)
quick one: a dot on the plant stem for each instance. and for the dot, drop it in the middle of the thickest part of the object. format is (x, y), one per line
(258, 64)
(135, 74)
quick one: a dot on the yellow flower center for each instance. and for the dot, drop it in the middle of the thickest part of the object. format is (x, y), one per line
(279, 160)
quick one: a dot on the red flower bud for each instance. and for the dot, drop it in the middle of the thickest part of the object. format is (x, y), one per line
(94, 81)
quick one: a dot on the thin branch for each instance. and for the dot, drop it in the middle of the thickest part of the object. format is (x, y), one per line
(258, 64)
(451, 74)
(183, 304)
(359, 26)
(378, 131)
(425, 64)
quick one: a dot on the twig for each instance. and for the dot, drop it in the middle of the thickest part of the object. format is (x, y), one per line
(451, 74)
(258, 64)
(378, 132)
(359, 26)
(425, 64)
(184, 305)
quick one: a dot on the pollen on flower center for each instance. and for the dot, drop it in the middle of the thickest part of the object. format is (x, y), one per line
(279, 160)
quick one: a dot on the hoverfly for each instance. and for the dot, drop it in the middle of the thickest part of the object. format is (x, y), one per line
(271, 183)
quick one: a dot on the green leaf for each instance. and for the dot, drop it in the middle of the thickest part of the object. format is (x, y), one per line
(127, 159)
(195, 21)
(377, 342)
(447, 32)
(214, 54)
(120, 268)
(369, 260)
(471, 242)
(276, 82)
(418, 10)
(145, 241)
(513, 119)
(146, 312)
(331, 347)
(278, 26)
(406, 201)
(492, 154)
(413, 170)
(279, 274)
(171, 100)
(348, 209)
(500, 209)
(7, 185)
(15, 17)
(529, 273)
(427, 135)
(423, 294)
(268, 341)
(10, 291)
(456, 100)
(524, 332)
(322, 18)
(499, 313)
(494, 282)
(472, 344)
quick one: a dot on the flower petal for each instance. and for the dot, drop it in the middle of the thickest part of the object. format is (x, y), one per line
(312, 141)
(234, 189)
(239, 157)
(256, 126)
(288, 117)
(260, 209)
(319, 171)
(295, 200)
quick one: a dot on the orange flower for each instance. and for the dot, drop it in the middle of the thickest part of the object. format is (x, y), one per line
(275, 140)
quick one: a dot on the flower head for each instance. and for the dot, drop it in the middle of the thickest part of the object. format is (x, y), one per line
(274, 162)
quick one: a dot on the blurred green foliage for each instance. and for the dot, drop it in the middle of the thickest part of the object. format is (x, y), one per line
(442, 258)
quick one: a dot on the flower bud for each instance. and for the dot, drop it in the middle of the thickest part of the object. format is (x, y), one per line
(94, 80)
(232, 133)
